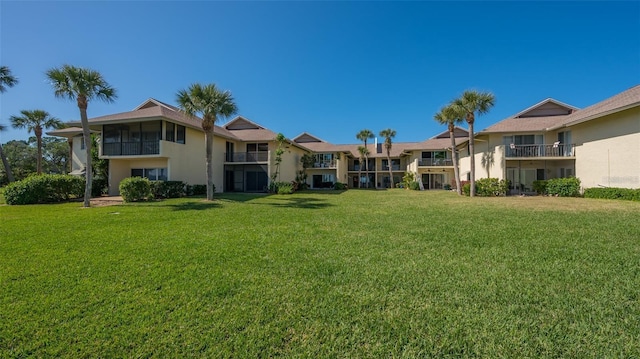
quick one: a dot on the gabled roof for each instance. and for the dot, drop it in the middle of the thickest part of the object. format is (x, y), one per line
(67, 132)
(242, 123)
(539, 117)
(620, 102)
(545, 108)
(306, 137)
(247, 130)
(457, 132)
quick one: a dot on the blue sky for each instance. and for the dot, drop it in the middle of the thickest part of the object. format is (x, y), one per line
(327, 68)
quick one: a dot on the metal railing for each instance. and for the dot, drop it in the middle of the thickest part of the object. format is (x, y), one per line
(393, 167)
(435, 162)
(261, 156)
(552, 150)
(326, 164)
(131, 148)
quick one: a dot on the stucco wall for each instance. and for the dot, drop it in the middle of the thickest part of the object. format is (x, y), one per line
(608, 150)
(79, 155)
(120, 169)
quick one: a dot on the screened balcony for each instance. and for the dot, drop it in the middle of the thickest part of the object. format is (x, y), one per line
(247, 157)
(541, 150)
(132, 139)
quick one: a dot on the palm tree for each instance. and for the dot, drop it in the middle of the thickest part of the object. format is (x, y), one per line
(364, 152)
(471, 102)
(83, 85)
(450, 117)
(6, 79)
(363, 136)
(35, 121)
(211, 103)
(388, 134)
(7, 168)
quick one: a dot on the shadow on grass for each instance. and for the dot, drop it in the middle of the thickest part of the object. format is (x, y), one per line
(296, 202)
(193, 206)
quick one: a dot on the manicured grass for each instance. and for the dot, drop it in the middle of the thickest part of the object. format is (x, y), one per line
(359, 274)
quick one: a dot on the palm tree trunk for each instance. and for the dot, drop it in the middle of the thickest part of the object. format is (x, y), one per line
(208, 138)
(454, 158)
(360, 174)
(366, 169)
(472, 156)
(70, 142)
(86, 135)
(38, 133)
(7, 168)
(390, 169)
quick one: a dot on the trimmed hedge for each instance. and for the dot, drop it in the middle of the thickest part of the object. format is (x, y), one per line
(134, 189)
(197, 189)
(339, 186)
(540, 186)
(613, 193)
(99, 186)
(563, 187)
(491, 187)
(44, 189)
(275, 187)
(168, 189)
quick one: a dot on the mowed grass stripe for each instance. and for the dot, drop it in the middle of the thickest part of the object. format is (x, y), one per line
(352, 274)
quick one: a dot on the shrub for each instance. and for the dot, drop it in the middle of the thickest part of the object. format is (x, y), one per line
(466, 189)
(447, 187)
(563, 187)
(613, 193)
(197, 189)
(339, 186)
(274, 187)
(407, 179)
(44, 189)
(168, 189)
(491, 187)
(99, 186)
(414, 185)
(540, 186)
(135, 189)
(285, 188)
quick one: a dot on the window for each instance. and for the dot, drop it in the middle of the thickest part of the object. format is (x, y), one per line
(170, 132)
(181, 134)
(82, 146)
(257, 147)
(153, 174)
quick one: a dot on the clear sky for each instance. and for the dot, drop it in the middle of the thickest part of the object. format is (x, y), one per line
(327, 68)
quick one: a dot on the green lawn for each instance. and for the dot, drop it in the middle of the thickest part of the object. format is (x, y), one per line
(358, 274)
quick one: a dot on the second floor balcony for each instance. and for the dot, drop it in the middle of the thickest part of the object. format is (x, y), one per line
(136, 148)
(324, 164)
(541, 150)
(430, 162)
(394, 167)
(252, 157)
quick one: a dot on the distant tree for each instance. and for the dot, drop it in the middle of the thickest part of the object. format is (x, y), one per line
(211, 103)
(471, 102)
(5, 163)
(451, 116)
(364, 152)
(82, 85)
(388, 135)
(21, 157)
(363, 136)
(55, 155)
(6, 79)
(35, 121)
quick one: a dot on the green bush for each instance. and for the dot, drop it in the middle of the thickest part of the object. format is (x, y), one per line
(540, 186)
(285, 188)
(407, 179)
(99, 186)
(197, 189)
(563, 187)
(339, 186)
(168, 189)
(447, 187)
(44, 189)
(274, 187)
(466, 189)
(491, 187)
(135, 189)
(414, 185)
(613, 193)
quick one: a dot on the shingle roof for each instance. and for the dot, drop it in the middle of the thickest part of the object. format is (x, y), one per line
(526, 124)
(66, 132)
(622, 101)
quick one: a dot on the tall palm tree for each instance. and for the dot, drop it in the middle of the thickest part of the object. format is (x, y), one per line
(450, 117)
(7, 168)
(364, 152)
(388, 134)
(6, 79)
(471, 102)
(83, 85)
(35, 121)
(363, 136)
(211, 103)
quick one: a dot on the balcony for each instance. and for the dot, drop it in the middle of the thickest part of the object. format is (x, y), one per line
(393, 167)
(325, 164)
(431, 162)
(356, 168)
(528, 151)
(251, 157)
(131, 148)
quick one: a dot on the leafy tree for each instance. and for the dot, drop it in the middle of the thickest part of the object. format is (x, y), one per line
(6, 79)
(471, 102)
(21, 158)
(363, 136)
(211, 103)
(35, 121)
(82, 85)
(451, 116)
(364, 152)
(99, 166)
(55, 155)
(5, 163)
(388, 135)
(281, 140)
